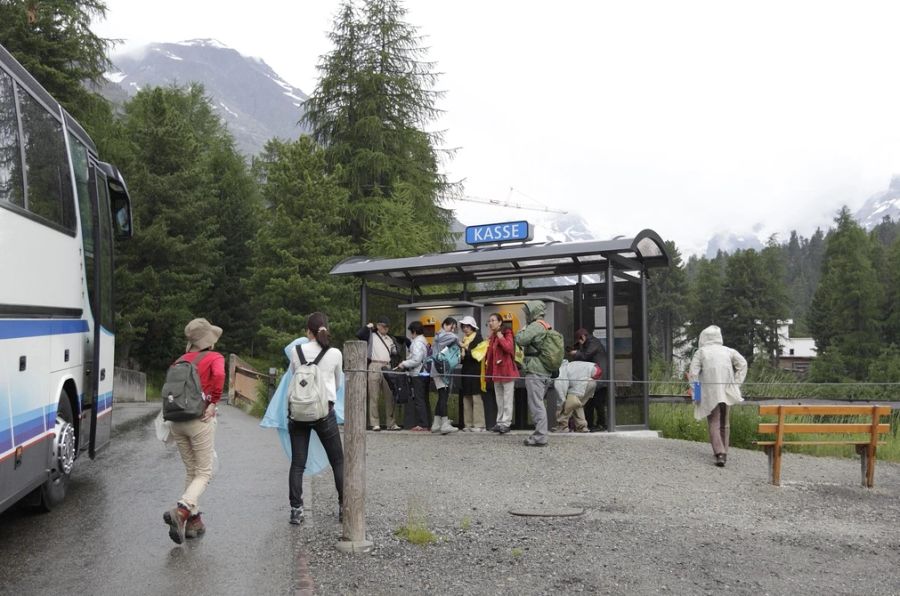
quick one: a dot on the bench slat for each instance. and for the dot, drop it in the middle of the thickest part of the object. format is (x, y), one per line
(770, 410)
(768, 443)
(813, 427)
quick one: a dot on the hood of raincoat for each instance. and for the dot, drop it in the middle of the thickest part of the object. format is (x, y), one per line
(711, 336)
(534, 310)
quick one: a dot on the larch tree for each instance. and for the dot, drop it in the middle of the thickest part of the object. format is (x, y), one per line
(371, 110)
(846, 309)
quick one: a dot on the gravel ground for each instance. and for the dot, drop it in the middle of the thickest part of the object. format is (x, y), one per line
(659, 519)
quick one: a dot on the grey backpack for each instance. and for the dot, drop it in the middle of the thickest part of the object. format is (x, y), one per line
(182, 393)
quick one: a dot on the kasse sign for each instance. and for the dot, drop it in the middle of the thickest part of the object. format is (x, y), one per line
(496, 233)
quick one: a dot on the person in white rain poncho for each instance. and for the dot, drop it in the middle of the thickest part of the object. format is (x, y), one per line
(720, 371)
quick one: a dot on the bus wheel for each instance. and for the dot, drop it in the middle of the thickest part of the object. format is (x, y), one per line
(53, 491)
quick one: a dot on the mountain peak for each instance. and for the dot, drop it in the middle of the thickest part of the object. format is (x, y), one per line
(204, 43)
(251, 99)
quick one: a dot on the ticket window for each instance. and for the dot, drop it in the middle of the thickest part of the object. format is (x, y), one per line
(432, 317)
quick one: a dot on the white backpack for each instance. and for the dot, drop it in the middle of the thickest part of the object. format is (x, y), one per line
(307, 395)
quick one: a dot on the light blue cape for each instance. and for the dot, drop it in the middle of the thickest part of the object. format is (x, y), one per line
(277, 416)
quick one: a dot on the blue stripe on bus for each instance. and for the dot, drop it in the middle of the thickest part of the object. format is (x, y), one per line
(13, 328)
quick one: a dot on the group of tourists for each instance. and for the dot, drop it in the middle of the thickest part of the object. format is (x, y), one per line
(310, 395)
(494, 361)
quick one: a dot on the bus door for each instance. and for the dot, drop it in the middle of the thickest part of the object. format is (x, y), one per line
(100, 378)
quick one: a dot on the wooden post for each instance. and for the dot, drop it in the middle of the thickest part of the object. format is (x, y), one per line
(354, 539)
(870, 451)
(779, 439)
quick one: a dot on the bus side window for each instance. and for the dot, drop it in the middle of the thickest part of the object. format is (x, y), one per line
(11, 187)
(47, 176)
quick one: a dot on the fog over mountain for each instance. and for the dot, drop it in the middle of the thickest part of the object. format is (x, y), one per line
(880, 205)
(254, 102)
(257, 104)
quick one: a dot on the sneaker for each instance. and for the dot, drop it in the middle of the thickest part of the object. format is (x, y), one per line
(418, 429)
(720, 460)
(176, 518)
(479, 429)
(503, 430)
(529, 443)
(583, 430)
(296, 515)
(376, 428)
(467, 429)
(194, 527)
(395, 427)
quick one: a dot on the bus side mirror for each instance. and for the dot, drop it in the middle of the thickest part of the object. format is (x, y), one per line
(121, 212)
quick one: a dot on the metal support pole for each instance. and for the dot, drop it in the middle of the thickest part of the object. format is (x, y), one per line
(610, 346)
(363, 303)
(578, 303)
(353, 539)
(645, 356)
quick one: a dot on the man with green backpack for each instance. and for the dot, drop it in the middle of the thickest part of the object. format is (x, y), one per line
(544, 349)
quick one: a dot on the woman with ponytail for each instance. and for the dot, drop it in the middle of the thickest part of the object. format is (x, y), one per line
(331, 369)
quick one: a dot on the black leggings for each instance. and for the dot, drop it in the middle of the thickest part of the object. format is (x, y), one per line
(440, 409)
(327, 430)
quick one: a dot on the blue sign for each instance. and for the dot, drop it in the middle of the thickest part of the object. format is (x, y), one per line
(496, 233)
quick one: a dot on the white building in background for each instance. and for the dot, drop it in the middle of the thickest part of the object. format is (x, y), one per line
(796, 353)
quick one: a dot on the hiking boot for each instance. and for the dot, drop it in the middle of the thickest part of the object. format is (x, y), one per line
(559, 429)
(446, 426)
(436, 425)
(176, 518)
(720, 460)
(296, 515)
(583, 430)
(194, 527)
(503, 430)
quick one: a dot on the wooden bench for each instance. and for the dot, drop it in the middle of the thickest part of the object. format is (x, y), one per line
(866, 447)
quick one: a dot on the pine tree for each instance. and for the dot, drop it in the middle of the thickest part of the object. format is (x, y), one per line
(166, 274)
(706, 291)
(369, 110)
(846, 307)
(666, 297)
(298, 244)
(52, 39)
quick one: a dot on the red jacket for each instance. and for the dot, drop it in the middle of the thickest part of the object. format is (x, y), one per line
(500, 359)
(212, 373)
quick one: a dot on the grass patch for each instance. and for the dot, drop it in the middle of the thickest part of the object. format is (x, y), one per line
(517, 553)
(676, 421)
(466, 523)
(415, 531)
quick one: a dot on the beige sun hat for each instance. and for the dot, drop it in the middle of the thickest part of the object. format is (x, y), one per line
(201, 334)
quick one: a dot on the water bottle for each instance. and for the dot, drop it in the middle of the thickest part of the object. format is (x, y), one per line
(695, 391)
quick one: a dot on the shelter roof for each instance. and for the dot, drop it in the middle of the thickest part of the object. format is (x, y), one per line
(491, 263)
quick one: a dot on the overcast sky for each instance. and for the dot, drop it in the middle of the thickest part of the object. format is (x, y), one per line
(688, 117)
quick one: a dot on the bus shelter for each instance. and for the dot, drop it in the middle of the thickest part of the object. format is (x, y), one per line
(597, 285)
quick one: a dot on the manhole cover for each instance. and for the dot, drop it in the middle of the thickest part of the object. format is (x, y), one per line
(549, 512)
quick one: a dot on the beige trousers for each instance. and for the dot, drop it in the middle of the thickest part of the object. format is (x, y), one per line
(572, 407)
(504, 393)
(196, 444)
(378, 387)
(473, 411)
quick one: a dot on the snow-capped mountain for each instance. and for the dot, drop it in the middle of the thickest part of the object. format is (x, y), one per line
(254, 102)
(879, 205)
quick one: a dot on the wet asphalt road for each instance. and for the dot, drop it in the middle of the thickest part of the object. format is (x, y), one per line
(108, 536)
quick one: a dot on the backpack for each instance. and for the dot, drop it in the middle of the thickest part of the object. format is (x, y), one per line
(398, 383)
(182, 393)
(552, 350)
(446, 360)
(307, 395)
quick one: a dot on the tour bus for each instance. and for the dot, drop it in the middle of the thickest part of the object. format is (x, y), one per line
(60, 207)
